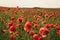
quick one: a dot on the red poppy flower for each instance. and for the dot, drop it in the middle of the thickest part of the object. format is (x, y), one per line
(4, 31)
(43, 31)
(13, 18)
(35, 37)
(16, 33)
(50, 26)
(17, 25)
(32, 11)
(35, 25)
(12, 28)
(44, 22)
(12, 37)
(58, 30)
(27, 26)
(31, 32)
(10, 24)
(20, 19)
(40, 38)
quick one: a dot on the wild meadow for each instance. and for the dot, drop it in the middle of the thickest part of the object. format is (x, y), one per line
(29, 24)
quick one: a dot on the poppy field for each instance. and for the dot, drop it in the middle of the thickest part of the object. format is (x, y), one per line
(29, 24)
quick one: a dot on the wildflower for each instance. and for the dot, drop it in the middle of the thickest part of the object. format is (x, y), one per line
(46, 15)
(58, 30)
(31, 32)
(43, 31)
(27, 26)
(12, 28)
(21, 19)
(35, 36)
(16, 33)
(4, 31)
(10, 24)
(44, 22)
(12, 37)
(35, 25)
(17, 25)
(13, 18)
(50, 26)
(40, 38)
